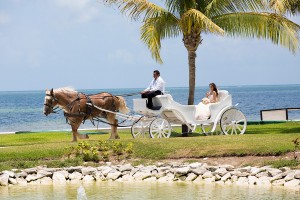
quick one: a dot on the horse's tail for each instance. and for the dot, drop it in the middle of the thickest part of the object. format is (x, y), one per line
(122, 105)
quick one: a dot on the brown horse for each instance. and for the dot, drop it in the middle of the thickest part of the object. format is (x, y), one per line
(74, 105)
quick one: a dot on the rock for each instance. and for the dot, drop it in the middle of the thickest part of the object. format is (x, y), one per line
(75, 176)
(207, 174)
(212, 168)
(164, 179)
(58, 178)
(245, 169)
(218, 177)
(234, 178)
(160, 174)
(183, 170)
(264, 180)
(191, 177)
(182, 178)
(4, 179)
(242, 174)
(142, 175)
(31, 177)
(46, 181)
(31, 171)
(199, 171)
(198, 179)
(99, 176)
(21, 181)
(292, 183)
(125, 177)
(21, 175)
(297, 174)
(64, 173)
(227, 167)
(52, 170)
(73, 169)
(242, 181)
(44, 173)
(150, 179)
(195, 165)
(279, 182)
(221, 171)
(12, 181)
(228, 182)
(289, 176)
(210, 180)
(226, 177)
(255, 170)
(252, 180)
(106, 169)
(10, 173)
(273, 172)
(127, 167)
(88, 170)
(113, 175)
(262, 174)
(220, 182)
(88, 179)
(276, 177)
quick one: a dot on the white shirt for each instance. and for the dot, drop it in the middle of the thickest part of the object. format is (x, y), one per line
(158, 84)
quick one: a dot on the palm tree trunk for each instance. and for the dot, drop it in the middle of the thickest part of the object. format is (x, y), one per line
(191, 42)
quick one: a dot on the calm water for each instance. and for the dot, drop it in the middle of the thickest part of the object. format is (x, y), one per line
(136, 191)
(22, 111)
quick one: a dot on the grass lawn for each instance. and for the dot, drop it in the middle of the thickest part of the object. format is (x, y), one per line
(31, 149)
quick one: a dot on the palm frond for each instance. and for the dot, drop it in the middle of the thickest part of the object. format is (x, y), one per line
(178, 7)
(136, 8)
(276, 28)
(220, 7)
(157, 28)
(196, 20)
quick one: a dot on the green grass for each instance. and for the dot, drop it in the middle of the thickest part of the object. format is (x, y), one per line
(31, 149)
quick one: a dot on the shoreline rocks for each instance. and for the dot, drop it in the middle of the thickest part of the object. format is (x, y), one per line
(162, 172)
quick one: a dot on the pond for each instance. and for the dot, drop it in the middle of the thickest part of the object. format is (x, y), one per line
(144, 190)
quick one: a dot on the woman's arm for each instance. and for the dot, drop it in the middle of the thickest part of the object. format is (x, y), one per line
(214, 99)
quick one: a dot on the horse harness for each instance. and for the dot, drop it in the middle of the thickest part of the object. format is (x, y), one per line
(87, 114)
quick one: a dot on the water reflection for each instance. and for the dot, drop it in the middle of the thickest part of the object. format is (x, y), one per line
(143, 190)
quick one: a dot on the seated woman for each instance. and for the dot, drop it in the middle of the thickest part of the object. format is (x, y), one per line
(202, 111)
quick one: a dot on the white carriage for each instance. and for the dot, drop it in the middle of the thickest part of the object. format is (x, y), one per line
(225, 117)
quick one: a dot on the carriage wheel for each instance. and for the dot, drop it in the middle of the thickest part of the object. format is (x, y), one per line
(207, 130)
(233, 121)
(140, 129)
(160, 128)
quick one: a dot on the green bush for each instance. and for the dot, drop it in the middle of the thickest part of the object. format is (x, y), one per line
(102, 151)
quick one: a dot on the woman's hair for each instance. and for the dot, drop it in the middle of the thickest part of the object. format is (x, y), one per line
(214, 88)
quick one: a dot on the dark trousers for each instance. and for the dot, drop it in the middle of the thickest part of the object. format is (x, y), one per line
(150, 95)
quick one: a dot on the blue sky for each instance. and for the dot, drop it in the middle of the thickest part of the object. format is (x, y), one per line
(84, 44)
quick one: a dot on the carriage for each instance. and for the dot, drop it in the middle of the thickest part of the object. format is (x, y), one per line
(225, 118)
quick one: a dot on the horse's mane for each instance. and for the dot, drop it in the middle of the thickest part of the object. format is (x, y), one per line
(66, 90)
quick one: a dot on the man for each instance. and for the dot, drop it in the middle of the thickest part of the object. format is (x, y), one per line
(155, 88)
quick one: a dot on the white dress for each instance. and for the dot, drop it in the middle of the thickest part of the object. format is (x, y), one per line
(202, 110)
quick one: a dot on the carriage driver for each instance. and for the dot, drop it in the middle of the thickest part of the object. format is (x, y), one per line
(155, 88)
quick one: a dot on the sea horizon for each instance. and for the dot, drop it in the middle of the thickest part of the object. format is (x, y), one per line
(130, 88)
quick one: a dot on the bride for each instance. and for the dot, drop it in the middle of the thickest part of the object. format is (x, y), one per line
(202, 111)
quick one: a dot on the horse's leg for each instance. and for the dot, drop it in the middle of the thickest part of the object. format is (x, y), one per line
(112, 120)
(75, 132)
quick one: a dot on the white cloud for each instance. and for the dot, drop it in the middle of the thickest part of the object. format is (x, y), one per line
(81, 10)
(4, 18)
(122, 55)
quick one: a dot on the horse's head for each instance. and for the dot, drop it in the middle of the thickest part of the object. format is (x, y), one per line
(50, 102)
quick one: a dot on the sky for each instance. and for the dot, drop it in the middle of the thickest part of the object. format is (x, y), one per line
(87, 45)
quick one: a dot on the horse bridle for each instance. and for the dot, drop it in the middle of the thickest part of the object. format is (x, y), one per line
(50, 106)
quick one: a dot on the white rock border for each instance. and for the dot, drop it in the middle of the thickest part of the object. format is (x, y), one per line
(162, 172)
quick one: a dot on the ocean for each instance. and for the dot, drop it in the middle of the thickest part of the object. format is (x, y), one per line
(23, 111)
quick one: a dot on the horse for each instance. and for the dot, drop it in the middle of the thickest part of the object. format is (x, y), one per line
(79, 107)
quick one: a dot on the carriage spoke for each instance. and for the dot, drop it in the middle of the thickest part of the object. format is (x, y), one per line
(233, 121)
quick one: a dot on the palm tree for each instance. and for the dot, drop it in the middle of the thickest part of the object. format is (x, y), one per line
(191, 18)
(285, 6)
